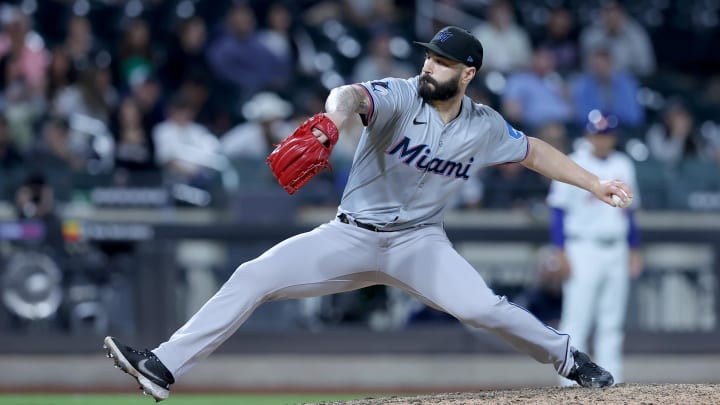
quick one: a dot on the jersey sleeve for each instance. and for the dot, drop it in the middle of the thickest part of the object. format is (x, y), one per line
(505, 143)
(387, 98)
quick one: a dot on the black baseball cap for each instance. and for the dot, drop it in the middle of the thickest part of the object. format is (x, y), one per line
(457, 44)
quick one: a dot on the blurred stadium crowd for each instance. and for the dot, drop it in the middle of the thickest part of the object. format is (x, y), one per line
(188, 96)
(169, 103)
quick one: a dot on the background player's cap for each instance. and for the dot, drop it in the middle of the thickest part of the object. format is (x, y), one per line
(601, 122)
(457, 44)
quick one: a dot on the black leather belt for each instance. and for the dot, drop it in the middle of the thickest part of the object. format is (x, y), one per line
(345, 220)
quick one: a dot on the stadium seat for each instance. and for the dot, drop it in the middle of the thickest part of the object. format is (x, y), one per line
(652, 177)
(691, 175)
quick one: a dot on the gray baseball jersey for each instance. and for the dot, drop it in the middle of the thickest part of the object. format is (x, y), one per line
(406, 167)
(409, 163)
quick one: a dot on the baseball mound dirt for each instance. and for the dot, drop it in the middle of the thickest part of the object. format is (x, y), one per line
(619, 394)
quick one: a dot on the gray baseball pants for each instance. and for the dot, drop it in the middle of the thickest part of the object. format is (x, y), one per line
(337, 257)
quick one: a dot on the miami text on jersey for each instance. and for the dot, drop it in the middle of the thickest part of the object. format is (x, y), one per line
(408, 155)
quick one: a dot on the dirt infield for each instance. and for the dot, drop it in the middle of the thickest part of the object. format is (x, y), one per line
(619, 394)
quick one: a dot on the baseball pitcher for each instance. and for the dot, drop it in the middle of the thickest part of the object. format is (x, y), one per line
(423, 140)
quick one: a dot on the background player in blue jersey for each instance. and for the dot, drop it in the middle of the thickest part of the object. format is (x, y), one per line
(423, 140)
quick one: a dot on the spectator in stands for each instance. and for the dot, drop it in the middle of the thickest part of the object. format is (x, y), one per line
(148, 96)
(249, 143)
(266, 114)
(508, 186)
(673, 138)
(277, 36)
(60, 74)
(134, 152)
(471, 195)
(80, 43)
(712, 146)
(555, 134)
(506, 44)
(543, 297)
(23, 63)
(55, 158)
(93, 96)
(186, 54)
(196, 91)
(35, 199)
(629, 43)
(537, 96)
(135, 53)
(185, 69)
(184, 149)
(710, 93)
(372, 15)
(607, 88)
(238, 56)
(560, 38)
(379, 62)
(11, 162)
(10, 156)
(22, 52)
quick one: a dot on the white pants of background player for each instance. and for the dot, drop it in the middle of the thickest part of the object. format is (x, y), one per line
(337, 257)
(596, 295)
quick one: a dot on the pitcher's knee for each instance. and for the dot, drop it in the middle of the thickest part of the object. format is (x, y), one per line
(251, 278)
(251, 271)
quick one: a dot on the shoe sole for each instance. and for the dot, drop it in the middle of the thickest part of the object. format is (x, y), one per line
(597, 385)
(148, 387)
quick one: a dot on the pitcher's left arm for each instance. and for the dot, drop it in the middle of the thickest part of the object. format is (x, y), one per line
(550, 162)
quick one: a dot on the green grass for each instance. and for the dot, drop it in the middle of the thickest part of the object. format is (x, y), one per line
(176, 399)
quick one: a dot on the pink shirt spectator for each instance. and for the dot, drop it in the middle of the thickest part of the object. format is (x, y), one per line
(33, 61)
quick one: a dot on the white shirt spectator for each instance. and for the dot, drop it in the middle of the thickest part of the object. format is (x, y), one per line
(629, 43)
(189, 145)
(504, 50)
(266, 113)
(506, 45)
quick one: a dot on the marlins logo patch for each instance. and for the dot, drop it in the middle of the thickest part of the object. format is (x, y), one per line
(514, 133)
(380, 88)
(443, 36)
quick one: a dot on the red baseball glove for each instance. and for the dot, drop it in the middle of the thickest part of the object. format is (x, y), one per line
(301, 156)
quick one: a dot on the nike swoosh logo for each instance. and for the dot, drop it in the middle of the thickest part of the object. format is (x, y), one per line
(148, 373)
(416, 122)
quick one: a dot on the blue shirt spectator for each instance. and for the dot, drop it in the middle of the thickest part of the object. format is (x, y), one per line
(239, 57)
(605, 88)
(536, 97)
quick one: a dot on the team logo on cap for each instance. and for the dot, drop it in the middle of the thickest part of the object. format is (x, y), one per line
(443, 36)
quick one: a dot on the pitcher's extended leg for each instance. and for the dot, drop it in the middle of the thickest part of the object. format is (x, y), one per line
(425, 263)
(323, 261)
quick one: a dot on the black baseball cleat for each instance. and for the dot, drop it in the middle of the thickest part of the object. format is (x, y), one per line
(588, 374)
(154, 378)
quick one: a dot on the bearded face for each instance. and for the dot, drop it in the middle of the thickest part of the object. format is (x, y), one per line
(432, 90)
